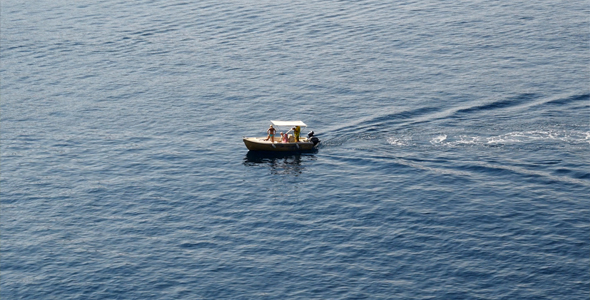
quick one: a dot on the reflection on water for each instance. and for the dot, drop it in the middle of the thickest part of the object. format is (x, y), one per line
(278, 163)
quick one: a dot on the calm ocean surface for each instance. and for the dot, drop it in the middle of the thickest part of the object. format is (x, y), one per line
(454, 161)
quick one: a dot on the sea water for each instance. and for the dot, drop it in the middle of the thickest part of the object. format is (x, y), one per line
(454, 161)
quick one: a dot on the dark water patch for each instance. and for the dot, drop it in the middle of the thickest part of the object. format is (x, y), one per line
(257, 157)
(199, 245)
(581, 175)
(387, 121)
(519, 100)
(571, 99)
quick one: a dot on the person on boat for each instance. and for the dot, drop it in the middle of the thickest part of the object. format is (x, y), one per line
(290, 138)
(271, 134)
(297, 132)
(285, 137)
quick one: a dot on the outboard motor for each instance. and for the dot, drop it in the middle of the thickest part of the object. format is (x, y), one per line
(312, 138)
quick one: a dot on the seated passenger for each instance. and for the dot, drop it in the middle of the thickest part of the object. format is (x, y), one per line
(290, 131)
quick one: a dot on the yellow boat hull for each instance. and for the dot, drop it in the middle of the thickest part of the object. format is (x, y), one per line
(259, 144)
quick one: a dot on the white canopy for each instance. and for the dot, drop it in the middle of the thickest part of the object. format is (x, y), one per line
(288, 123)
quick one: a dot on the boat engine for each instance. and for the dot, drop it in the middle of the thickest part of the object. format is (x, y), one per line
(313, 138)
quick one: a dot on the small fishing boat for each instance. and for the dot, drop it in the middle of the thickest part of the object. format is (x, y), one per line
(276, 144)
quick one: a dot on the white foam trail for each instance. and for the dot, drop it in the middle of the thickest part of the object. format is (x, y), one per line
(539, 135)
(468, 140)
(511, 138)
(439, 139)
(396, 141)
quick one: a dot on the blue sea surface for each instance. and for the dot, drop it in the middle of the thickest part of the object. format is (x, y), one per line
(454, 163)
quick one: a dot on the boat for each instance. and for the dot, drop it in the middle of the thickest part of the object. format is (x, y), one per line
(305, 144)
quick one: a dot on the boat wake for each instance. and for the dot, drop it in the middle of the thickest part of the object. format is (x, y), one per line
(439, 139)
(490, 124)
(537, 137)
